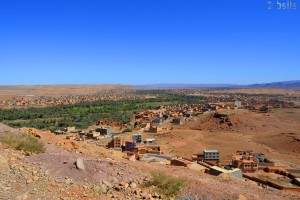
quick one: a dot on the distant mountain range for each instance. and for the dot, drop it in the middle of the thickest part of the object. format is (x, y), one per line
(183, 85)
(295, 84)
(283, 84)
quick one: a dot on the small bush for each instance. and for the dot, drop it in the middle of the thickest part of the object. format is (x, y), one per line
(166, 185)
(23, 142)
(127, 130)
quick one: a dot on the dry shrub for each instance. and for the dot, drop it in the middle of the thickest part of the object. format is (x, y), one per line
(166, 185)
(22, 142)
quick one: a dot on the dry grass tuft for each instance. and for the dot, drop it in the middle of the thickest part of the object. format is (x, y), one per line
(22, 142)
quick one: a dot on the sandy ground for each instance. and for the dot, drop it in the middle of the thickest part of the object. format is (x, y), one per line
(276, 134)
(35, 91)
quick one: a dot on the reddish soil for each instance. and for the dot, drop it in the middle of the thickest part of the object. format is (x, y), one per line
(276, 134)
(178, 144)
(62, 164)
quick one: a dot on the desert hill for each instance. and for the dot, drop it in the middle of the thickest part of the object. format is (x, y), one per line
(275, 133)
(56, 173)
(221, 121)
(105, 175)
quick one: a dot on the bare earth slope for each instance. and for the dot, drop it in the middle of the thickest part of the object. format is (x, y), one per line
(53, 175)
(276, 134)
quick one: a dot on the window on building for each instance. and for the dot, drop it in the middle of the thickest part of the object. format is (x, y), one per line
(247, 166)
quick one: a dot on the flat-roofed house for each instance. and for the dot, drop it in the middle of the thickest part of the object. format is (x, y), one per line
(116, 142)
(103, 130)
(211, 154)
(150, 141)
(245, 163)
(177, 121)
(137, 138)
(157, 121)
(259, 156)
(130, 146)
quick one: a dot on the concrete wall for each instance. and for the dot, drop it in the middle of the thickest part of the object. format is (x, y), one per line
(271, 184)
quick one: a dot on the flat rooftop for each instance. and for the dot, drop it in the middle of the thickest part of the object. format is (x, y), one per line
(224, 170)
(211, 151)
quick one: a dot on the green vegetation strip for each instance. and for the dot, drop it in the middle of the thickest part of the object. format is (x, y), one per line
(84, 114)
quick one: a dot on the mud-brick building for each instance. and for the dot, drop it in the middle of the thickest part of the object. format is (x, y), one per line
(116, 142)
(247, 163)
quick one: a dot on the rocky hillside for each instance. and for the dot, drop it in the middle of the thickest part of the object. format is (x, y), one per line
(65, 173)
(221, 121)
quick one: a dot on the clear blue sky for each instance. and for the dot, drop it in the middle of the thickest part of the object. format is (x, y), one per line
(148, 41)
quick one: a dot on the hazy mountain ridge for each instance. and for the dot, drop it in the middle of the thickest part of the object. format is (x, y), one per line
(283, 84)
(293, 84)
(183, 85)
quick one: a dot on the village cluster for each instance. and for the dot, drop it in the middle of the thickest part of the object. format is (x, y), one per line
(29, 100)
(137, 147)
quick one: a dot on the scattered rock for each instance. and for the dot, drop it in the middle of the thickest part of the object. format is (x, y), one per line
(126, 185)
(68, 181)
(103, 189)
(79, 164)
(133, 185)
(144, 195)
(115, 180)
(137, 191)
(140, 181)
(145, 190)
(29, 181)
(117, 188)
(155, 195)
(122, 184)
(7, 188)
(22, 197)
(242, 197)
(3, 165)
(106, 183)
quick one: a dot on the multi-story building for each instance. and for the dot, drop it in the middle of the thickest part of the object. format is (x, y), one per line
(130, 146)
(247, 163)
(103, 130)
(259, 156)
(137, 138)
(211, 154)
(177, 121)
(157, 121)
(116, 142)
